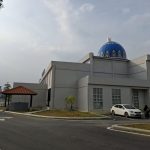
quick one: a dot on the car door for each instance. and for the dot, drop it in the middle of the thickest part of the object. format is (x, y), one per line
(120, 110)
(116, 109)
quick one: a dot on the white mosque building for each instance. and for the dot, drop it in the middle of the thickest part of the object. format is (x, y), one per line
(97, 82)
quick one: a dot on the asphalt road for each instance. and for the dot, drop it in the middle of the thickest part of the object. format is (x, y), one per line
(28, 133)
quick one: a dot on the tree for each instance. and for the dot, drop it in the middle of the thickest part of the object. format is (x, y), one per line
(70, 100)
(7, 86)
(1, 3)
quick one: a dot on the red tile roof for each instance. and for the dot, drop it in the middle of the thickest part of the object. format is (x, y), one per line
(20, 90)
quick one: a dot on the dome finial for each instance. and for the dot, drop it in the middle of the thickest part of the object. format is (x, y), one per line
(109, 39)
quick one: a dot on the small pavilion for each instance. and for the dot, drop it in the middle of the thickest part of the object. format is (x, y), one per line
(20, 90)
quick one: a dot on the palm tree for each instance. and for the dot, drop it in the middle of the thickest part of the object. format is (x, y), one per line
(70, 100)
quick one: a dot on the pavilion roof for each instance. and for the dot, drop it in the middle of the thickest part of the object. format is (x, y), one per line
(19, 90)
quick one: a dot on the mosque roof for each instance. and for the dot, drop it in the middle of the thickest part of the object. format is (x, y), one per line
(112, 49)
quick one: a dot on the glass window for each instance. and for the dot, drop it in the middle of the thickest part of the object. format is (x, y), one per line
(136, 98)
(97, 98)
(116, 96)
(116, 106)
(129, 107)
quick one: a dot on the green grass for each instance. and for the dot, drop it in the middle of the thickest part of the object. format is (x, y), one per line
(65, 113)
(140, 126)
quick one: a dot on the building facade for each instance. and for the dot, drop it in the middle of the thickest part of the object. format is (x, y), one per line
(97, 82)
(100, 81)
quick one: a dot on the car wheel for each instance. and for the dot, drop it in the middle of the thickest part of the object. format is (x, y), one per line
(113, 113)
(126, 114)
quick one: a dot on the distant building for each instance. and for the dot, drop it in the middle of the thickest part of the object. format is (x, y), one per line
(100, 81)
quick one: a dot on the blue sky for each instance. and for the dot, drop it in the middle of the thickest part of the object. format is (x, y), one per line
(34, 32)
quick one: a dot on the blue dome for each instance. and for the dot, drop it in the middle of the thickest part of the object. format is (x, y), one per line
(112, 49)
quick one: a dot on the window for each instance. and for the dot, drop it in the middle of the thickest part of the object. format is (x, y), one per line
(136, 98)
(121, 107)
(116, 106)
(116, 96)
(97, 98)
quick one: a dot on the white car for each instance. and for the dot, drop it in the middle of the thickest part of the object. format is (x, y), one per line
(125, 110)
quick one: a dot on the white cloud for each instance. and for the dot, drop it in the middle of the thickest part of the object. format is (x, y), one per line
(87, 7)
(60, 8)
(67, 18)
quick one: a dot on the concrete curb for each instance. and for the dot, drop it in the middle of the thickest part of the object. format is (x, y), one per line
(130, 129)
(55, 117)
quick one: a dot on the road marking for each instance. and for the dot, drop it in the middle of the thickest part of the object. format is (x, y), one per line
(6, 117)
(2, 119)
(110, 128)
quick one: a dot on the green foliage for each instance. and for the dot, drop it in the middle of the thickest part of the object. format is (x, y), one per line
(70, 100)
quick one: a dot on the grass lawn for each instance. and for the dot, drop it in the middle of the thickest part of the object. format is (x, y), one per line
(65, 113)
(140, 126)
(2, 108)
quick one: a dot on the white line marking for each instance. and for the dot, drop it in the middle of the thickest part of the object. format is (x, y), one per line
(6, 117)
(2, 119)
(110, 128)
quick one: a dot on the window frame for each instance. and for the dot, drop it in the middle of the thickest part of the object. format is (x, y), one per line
(97, 98)
(116, 96)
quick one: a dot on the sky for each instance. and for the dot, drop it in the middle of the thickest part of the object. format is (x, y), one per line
(35, 32)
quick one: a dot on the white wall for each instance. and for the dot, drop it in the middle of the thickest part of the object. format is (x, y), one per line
(60, 95)
(138, 68)
(65, 82)
(83, 94)
(110, 68)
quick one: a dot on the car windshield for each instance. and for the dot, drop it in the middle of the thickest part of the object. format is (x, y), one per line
(129, 107)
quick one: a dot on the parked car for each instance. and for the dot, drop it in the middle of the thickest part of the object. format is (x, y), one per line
(125, 110)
